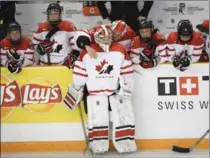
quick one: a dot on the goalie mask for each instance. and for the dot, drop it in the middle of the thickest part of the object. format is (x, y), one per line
(146, 28)
(14, 33)
(118, 28)
(103, 37)
(185, 30)
(54, 14)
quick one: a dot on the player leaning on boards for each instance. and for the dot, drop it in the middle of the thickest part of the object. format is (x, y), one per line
(52, 39)
(103, 77)
(148, 49)
(184, 46)
(16, 49)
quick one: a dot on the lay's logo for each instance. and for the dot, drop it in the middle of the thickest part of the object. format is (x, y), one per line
(40, 91)
(38, 95)
(10, 92)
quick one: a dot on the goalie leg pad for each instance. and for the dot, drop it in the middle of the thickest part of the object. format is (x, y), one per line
(98, 123)
(123, 124)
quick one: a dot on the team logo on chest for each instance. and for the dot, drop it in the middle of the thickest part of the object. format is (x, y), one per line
(104, 67)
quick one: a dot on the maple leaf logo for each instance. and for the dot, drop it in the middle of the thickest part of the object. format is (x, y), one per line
(100, 67)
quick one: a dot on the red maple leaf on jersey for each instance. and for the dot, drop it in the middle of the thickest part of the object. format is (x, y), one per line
(99, 67)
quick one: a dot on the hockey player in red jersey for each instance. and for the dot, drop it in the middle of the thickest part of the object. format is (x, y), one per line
(148, 49)
(52, 39)
(204, 29)
(103, 77)
(16, 49)
(121, 33)
(184, 46)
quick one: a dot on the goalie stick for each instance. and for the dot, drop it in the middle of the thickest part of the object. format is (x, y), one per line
(187, 150)
(84, 131)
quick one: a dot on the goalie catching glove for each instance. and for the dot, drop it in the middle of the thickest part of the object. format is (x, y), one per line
(126, 88)
(74, 96)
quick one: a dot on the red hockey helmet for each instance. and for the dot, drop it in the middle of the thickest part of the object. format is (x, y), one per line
(204, 27)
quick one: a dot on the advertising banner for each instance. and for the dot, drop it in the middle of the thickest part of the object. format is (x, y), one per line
(167, 98)
(35, 95)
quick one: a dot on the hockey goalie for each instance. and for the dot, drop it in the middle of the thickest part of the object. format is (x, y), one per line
(103, 77)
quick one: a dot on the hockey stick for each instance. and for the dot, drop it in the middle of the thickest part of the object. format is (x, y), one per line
(84, 131)
(187, 150)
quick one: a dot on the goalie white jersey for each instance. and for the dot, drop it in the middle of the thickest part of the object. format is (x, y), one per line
(102, 75)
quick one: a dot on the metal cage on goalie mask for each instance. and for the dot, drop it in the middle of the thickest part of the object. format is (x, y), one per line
(103, 37)
(14, 26)
(54, 7)
(118, 28)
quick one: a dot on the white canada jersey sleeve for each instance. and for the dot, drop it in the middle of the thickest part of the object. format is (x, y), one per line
(102, 75)
(61, 42)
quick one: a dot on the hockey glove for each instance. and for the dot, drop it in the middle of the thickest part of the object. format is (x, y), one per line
(15, 58)
(150, 63)
(176, 61)
(12, 67)
(73, 57)
(185, 63)
(45, 47)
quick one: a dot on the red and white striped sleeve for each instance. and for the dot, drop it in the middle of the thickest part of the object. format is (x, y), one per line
(3, 56)
(38, 35)
(29, 56)
(198, 47)
(171, 44)
(161, 49)
(79, 71)
(127, 66)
